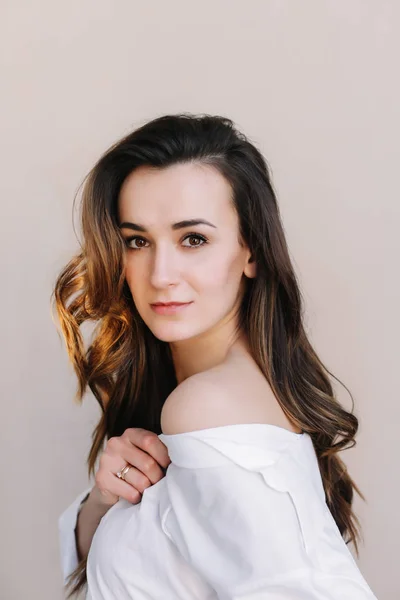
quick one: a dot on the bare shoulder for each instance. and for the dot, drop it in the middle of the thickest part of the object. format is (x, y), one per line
(232, 393)
(194, 404)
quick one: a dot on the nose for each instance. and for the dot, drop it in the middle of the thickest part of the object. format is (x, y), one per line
(164, 270)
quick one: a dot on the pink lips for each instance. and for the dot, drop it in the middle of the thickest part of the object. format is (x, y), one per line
(169, 309)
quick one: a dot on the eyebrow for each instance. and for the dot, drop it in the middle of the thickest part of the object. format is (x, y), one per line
(174, 226)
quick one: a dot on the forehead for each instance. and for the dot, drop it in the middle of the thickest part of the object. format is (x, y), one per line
(152, 196)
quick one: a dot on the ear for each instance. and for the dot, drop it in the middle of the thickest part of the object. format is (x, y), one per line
(250, 269)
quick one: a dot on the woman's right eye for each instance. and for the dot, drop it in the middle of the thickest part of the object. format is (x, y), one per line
(134, 238)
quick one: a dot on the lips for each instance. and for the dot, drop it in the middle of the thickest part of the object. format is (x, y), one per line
(170, 308)
(169, 303)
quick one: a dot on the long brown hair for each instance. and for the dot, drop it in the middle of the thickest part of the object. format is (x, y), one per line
(130, 371)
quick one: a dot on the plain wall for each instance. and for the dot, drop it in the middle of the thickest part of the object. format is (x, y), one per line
(315, 85)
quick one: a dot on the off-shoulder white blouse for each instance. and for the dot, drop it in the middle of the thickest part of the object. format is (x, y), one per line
(240, 515)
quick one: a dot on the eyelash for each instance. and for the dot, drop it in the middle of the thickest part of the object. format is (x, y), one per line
(189, 235)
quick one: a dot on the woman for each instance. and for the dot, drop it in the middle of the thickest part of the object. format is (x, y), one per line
(220, 475)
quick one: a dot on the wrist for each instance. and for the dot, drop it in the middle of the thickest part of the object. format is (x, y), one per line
(101, 501)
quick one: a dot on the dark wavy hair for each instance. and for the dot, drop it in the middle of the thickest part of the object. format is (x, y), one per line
(130, 371)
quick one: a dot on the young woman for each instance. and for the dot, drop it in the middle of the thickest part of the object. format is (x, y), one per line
(218, 474)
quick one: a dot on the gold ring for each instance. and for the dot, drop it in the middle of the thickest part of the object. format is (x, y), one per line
(121, 474)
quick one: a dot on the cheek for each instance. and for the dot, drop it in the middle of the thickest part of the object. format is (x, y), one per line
(220, 277)
(134, 279)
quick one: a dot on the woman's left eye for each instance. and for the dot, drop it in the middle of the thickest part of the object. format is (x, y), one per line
(202, 239)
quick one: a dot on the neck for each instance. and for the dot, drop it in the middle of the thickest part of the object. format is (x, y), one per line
(205, 351)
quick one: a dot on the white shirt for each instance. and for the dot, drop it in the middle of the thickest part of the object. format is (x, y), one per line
(240, 515)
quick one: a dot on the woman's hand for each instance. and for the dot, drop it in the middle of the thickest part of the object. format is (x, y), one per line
(138, 447)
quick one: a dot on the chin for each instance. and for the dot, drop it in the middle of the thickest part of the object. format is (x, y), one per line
(171, 332)
(176, 336)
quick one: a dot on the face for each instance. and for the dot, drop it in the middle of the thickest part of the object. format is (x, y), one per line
(167, 260)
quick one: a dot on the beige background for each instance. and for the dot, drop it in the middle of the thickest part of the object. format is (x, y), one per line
(315, 85)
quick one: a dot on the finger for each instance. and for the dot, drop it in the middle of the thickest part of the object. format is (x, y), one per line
(137, 479)
(144, 466)
(150, 443)
(125, 490)
(120, 453)
(108, 485)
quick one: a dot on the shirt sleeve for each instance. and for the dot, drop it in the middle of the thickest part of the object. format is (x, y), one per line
(246, 538)
(66, 530)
